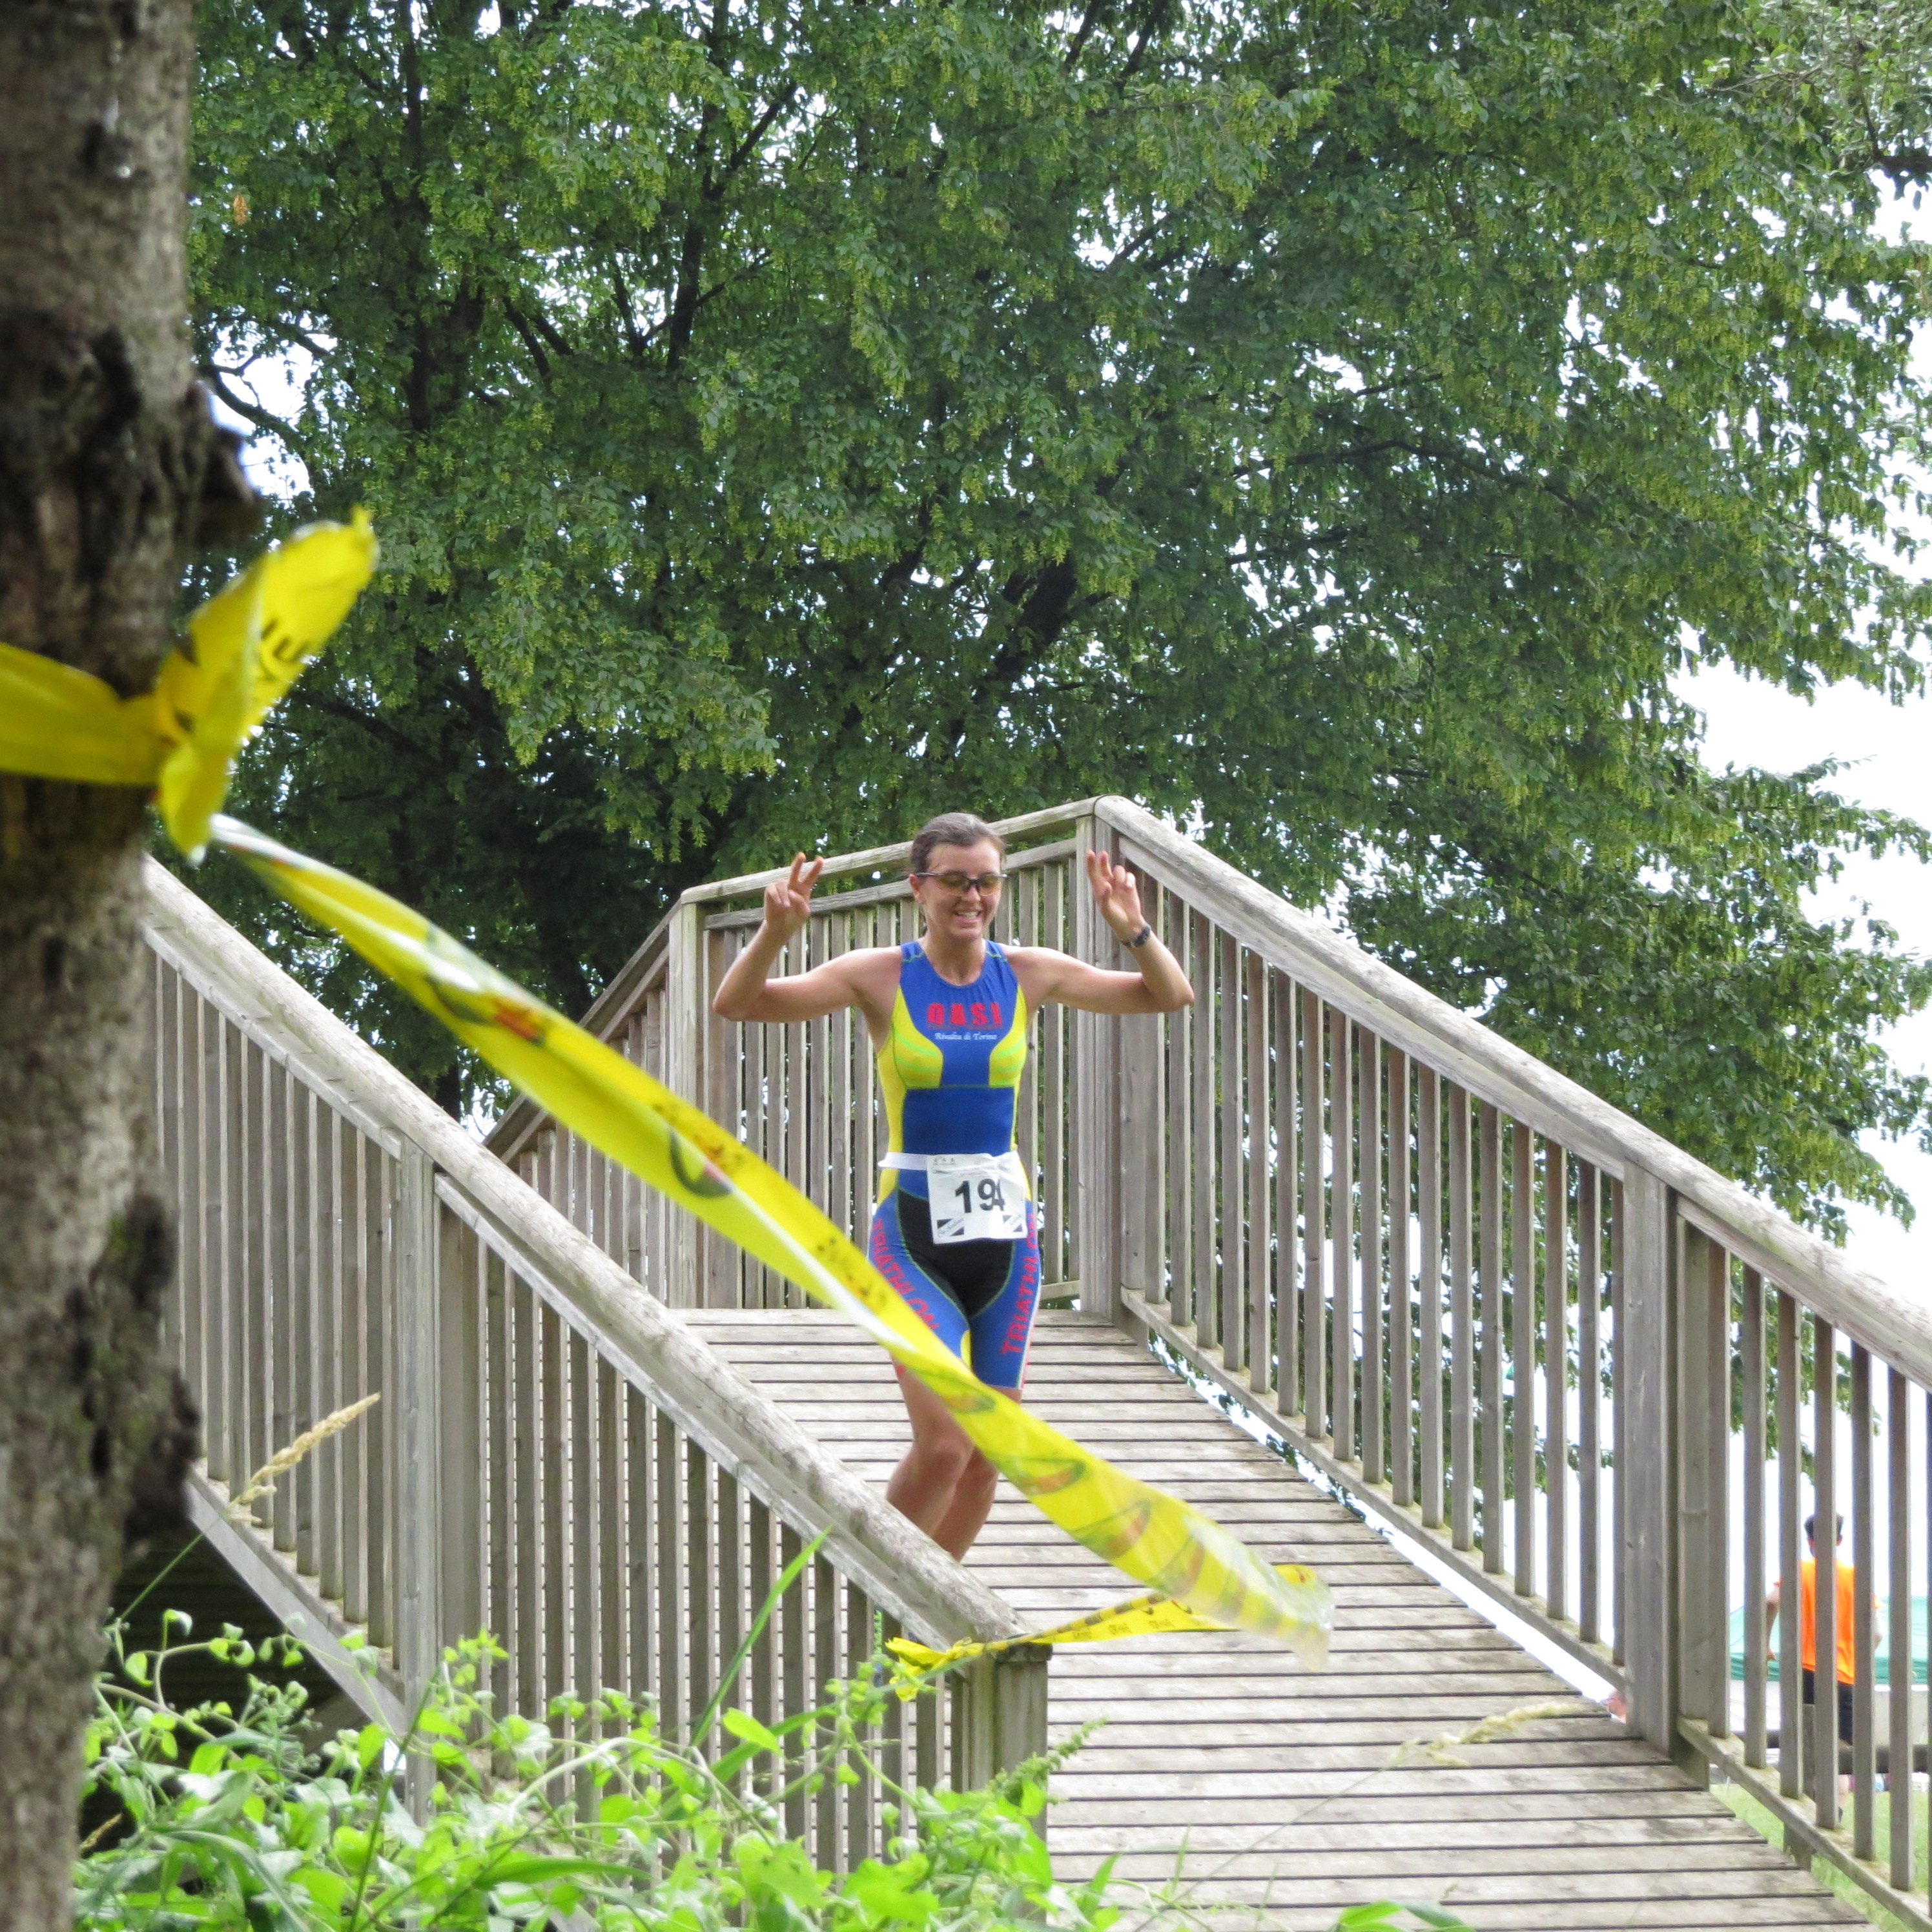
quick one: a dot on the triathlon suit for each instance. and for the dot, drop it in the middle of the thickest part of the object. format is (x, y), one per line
(950, 1070)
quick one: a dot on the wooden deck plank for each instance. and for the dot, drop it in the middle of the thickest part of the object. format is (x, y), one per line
(1285, 1795)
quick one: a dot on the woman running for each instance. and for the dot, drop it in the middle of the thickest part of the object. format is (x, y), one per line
(954, 1231)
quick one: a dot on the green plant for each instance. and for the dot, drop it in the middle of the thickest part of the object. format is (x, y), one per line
(217, 1817)
(227, 1817)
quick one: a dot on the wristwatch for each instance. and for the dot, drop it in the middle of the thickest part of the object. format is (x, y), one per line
(1140, 938)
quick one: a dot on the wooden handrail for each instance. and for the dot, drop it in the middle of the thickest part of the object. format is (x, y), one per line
(1463, 1049)
(555, 1456)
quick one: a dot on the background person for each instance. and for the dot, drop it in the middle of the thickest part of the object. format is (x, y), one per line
(954, 1229)
(1844, 1596)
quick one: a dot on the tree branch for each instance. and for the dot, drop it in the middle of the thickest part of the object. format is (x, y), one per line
(539, 360)
(253, 411)
(740, 154)
(1095, 14)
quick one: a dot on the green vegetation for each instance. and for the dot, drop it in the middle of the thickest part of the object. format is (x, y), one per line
(241, 1819)
(1335, 425)
(1764, 1823)
(221, 1818)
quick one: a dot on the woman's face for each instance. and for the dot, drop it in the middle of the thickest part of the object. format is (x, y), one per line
(953, 914)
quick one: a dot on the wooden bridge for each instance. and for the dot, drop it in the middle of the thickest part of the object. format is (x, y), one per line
(1324, 1256)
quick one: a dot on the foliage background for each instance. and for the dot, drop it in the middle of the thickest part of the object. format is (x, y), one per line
(1334, 425)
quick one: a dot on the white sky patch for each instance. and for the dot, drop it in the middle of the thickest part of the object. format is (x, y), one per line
(1888, 748)
(275, 382)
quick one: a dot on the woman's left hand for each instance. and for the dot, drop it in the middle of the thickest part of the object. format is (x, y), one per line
(1118, 894)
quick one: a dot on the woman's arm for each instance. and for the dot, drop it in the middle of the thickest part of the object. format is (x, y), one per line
(1159, 985)
(747, 991)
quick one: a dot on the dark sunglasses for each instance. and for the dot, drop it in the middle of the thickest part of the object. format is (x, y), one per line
(961, 882)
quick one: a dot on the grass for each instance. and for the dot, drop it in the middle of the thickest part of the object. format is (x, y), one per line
(1766, 1824)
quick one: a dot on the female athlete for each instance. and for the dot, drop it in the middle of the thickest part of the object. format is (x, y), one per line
(955, 1230)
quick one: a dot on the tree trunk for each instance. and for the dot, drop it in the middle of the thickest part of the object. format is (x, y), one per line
(106, 456)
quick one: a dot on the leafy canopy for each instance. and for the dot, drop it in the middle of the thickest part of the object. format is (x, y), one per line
(1334, 424)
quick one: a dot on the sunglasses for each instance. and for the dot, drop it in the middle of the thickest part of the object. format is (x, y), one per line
(962, 883)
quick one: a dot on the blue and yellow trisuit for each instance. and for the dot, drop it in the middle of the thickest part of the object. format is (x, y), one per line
(950, 1071)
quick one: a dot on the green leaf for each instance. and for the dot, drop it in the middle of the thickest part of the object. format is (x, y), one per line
(743, 1724)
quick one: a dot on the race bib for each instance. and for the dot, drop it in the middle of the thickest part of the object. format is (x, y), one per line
(976, 1197)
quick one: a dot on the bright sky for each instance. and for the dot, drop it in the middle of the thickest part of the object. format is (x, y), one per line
(1890, 748)
(1749, 723)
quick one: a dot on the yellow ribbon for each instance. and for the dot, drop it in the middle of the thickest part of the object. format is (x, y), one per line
(247, 645)
(1149, 1616)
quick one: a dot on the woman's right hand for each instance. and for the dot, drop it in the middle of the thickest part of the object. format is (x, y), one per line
(788, 901)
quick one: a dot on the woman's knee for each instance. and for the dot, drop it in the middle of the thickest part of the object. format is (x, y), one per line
(948, 1460)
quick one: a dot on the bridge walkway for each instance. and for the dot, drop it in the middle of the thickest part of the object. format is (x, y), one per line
(1589, 1376)
(1261, 1787)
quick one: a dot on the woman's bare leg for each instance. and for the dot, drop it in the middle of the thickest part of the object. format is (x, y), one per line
(943, 1484)
(972, 1503)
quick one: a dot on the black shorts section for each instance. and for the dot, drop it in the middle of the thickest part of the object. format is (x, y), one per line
(973, 1272)
(1844, 1704)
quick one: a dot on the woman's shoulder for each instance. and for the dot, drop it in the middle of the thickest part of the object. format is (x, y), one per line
(870, 964)
(1037, 967)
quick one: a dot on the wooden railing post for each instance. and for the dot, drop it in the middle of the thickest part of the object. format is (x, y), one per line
(1139, 1165)
(1646, 1363)
(458, 1528)
(685, 1000)
(999, 1717)
(1703, 1465)
(416, 1430)
(1095, 1095)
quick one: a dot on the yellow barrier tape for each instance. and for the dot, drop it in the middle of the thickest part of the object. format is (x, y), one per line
(247, 645)
(1149, 1616)
(616, 1106)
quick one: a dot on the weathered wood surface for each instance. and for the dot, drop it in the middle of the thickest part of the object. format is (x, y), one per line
(1278, 1791)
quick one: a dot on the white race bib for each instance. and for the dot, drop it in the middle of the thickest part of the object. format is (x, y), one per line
(976, 1197)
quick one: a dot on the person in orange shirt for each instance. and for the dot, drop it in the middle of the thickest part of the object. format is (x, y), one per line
(1807, 1623)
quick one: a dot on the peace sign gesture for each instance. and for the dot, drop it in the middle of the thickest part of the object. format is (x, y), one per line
(788, 901)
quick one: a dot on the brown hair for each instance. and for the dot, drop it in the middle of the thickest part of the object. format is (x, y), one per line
(952, 828)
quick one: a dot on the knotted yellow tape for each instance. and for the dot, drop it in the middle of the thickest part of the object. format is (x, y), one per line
(248, 644)
(1149, 1616)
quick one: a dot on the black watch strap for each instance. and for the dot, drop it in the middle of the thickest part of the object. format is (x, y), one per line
(1142, 938)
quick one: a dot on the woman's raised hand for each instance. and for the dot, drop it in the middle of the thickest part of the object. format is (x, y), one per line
(1117, 893)
(788, 901)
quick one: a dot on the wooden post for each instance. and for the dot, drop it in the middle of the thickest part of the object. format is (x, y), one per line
(1701, 1620)
(416, 1435)
(999, 1715)
(685, 1000)
(1647, 1531)
(1099, 1250)
(1139, 1045)
(459, 1522)
(418, 1423)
